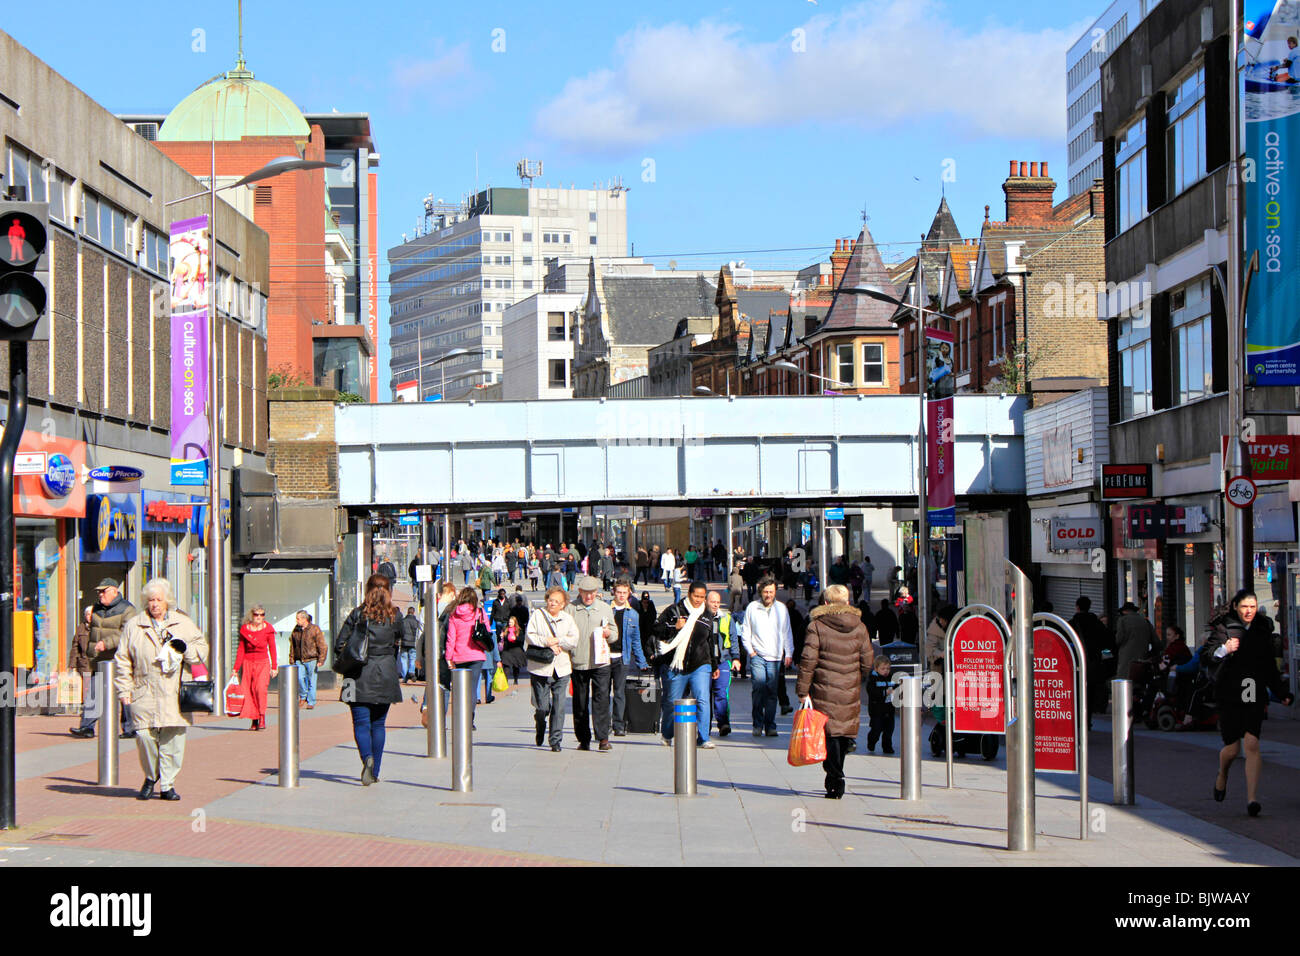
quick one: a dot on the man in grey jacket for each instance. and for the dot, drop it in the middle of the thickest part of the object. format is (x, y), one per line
(1135, 638)
(591, 671)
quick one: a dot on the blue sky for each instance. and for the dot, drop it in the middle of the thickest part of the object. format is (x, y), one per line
(766, 125)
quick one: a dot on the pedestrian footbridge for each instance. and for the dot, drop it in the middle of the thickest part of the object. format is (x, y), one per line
(679, 451)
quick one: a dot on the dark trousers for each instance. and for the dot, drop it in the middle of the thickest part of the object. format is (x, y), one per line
(591, 704)
(548, 701)
(369, 732)
(642, 574)
(618, 691)
(882, 728)
(837, 748)
(781, 693)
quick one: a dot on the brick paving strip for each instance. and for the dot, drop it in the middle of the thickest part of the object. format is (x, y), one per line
(67, 808)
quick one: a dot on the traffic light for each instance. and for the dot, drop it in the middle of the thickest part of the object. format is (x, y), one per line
(24, 270)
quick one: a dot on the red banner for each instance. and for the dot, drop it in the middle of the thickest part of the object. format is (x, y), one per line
(1055, 701)
(979, 700)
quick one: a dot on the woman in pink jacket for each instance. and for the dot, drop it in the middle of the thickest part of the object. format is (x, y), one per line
(462, 653)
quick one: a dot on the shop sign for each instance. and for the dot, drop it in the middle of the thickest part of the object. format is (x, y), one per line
(116, 473)
(199, 519)
(108, 532)
(834, 514)
(54, 491)
(1075, 534)
(1056, 747)
(1163, 521)
(1125, 481)
(1273, 457)
(29, 463)
(514, 516)
(166, 512)
(60, 476)
(978, 661)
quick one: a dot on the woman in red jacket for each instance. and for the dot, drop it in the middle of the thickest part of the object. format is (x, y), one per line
(255, 663)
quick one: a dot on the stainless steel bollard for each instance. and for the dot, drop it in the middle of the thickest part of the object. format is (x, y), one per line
(462, 729)
(910, 745)
(685, 727)
(109, 724)
(288, 725)
(437, 729)
(1021, 815)
(1121, 739)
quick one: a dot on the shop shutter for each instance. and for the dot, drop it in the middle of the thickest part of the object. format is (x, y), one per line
(1063, 592)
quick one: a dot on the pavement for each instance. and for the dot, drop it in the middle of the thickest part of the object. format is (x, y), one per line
(532, 807)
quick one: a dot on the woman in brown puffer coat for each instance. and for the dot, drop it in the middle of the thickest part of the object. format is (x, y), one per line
(837, 658)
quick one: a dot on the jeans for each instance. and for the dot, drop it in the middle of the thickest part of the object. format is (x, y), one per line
(307, 682)
(683, 684)
(475, 667)
(548, 701)
(782, 693)
(618, 692)
(721, 692)
(591, 703)
(764, 675)
(368, 731)
(406, 663)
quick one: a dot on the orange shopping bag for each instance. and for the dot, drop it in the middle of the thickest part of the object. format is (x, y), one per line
(808, 739)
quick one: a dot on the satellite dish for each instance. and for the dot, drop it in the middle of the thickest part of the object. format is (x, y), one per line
(672, 264)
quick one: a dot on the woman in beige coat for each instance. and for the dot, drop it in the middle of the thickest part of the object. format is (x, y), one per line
(157, 647)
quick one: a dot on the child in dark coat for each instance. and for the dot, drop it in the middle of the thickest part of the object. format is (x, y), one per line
(879, 707)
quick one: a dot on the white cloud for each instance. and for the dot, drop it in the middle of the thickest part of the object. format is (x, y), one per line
(874, 66)
(437, 79)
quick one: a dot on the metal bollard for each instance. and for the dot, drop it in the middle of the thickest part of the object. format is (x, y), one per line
(910, 745)
(436, 738)
(685, 727)
(109, 725)
(1021, 808)
(289, 725)
(462, 729)
(1121, 739)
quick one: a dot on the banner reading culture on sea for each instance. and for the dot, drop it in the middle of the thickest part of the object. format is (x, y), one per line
(189, 345)
(1271, 107)
(939, 388)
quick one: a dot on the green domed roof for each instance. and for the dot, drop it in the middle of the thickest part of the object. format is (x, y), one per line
(242, 107)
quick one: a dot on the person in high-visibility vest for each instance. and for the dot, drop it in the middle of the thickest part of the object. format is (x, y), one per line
(727, 635)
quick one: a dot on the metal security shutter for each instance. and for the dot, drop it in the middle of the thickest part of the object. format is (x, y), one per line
(1063, 592)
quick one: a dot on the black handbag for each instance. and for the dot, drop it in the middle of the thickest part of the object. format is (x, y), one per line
(481, 637)
(541, 654)
(198, 697)
(352, 646)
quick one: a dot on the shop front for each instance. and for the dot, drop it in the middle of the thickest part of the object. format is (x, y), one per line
(1277, 571)
(1066, 532)
(108, 543)
(165, 550)
(45, 506)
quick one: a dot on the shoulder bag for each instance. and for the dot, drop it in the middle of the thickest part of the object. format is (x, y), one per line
(542, 654)
(352, 646)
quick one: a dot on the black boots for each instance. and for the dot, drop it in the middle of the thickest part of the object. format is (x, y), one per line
(540, 721)
(146, 791)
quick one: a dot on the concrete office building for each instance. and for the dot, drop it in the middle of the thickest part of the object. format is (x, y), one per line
(450, 287)
(100, 388)
(537, 346)
(1083, 86)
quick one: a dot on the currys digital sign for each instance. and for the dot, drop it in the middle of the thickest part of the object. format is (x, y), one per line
(1271, 106)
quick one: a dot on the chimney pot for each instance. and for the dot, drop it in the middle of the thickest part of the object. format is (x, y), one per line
(1022, 168)
(1044, 170)
(1033, 169)
(1013, 168)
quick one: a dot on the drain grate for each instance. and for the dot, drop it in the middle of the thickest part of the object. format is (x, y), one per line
(61, 836)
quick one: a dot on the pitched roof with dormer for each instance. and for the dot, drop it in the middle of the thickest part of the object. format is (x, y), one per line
(849, 312)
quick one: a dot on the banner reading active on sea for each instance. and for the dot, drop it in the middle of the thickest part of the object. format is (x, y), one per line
(939, 388)
(1271, 105)
(189, 346)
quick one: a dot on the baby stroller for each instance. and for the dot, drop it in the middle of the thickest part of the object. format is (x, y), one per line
(986, 745)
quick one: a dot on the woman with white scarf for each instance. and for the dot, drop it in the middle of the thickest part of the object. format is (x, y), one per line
(688, 659)
(158, 646)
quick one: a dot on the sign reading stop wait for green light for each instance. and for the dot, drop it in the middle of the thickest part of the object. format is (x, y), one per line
(24, 298)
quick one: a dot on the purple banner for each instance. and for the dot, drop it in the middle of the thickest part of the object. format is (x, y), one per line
(189, 345)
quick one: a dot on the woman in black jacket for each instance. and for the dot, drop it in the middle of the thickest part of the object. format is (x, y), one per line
(646, 617)
(1239, 652)
(371, 689)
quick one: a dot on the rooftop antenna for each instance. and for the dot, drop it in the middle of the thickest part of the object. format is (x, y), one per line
(528, 170)
(241, 68)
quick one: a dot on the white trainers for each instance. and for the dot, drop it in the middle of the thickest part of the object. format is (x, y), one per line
(708, 745)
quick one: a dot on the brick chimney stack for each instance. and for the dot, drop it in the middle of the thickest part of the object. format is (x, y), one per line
(840, 260)
(1029, 192)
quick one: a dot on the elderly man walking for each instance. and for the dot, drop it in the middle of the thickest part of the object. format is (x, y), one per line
(591, 665)
(107, 622)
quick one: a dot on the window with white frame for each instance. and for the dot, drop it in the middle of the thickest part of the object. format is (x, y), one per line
(1131, 175)
(1192, 355)
(1185, 143)
(1135, 366)
(873, 363)
(844, 370)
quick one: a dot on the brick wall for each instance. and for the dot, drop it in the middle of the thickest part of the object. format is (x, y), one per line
(1064, 334)
(302, 452)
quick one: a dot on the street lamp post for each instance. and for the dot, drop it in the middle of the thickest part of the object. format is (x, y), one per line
(791, 367)
(216, 603)
(453, 354)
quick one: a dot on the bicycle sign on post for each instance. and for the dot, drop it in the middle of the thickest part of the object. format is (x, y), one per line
(1060, 734)
(978, 675)
(1240, 491)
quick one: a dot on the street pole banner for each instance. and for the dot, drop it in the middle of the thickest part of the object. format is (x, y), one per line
(188, 252)
(939, 389)
(1271, 107)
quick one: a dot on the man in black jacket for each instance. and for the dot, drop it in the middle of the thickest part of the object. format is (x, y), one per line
(1098, 646)
(411, 629)
(688, 659)
(107, 622)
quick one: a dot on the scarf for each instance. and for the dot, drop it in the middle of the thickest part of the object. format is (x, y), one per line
(678, 645)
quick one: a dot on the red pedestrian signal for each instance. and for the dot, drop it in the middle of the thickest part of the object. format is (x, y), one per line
(24, 270)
